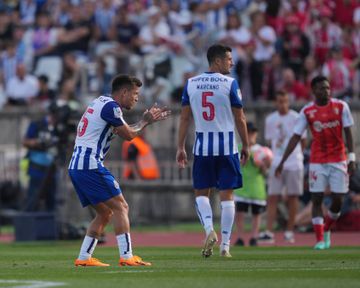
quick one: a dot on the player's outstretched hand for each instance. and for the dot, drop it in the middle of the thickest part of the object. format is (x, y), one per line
(156, 113)
(244, 156)
(351, 168)
(278, 170)
(181, 158)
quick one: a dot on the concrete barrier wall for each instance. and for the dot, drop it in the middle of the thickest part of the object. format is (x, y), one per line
(165, 201)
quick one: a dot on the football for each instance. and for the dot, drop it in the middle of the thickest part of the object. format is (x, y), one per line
(263, 156)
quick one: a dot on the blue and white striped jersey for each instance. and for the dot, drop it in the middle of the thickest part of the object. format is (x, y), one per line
(94, 133)
(211, 97)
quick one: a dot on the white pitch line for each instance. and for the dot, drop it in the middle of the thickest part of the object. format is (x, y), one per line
(130, 271)
(31, 284)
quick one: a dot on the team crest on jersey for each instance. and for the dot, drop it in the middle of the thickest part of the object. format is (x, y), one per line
(336, 111)
(117, 112)
(116, 184)
(312, 113)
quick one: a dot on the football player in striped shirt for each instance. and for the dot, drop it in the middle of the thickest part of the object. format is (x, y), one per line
(213, 100)
(94, 184)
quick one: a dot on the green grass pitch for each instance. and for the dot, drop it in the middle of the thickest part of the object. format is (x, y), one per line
(45, 264)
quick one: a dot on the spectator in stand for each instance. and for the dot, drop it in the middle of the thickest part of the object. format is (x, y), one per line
(62, 13)
(153, 35)
(67, 95)
(44, 36)
(234, 31)
(264, 37)
(324, 34)
(272, 78)
(348, 46)
(76, 35)
(45, 94)
(22, 88)
(71, 69)
(137, 12)
(296, 90)
(356, 44)
(8, 63)
(311, 70)
(104, 19)
(294, 45)
(337, 70)
(6, 29)
(344, 11)
(244, 68)
(126, 34)
(296, 9)
(27, 11)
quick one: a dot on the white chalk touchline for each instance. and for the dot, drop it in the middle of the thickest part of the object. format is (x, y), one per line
(32, 284)
(130, 271)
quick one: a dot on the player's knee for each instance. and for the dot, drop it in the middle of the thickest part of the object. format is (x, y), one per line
(106, 216)
(125, 207)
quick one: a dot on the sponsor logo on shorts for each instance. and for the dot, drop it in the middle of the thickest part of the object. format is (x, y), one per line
(319, 126)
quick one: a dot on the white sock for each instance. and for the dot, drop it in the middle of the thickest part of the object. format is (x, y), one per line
(124, 244)
(204, 211)
(227, 221)
(317, 221)
(87, 247)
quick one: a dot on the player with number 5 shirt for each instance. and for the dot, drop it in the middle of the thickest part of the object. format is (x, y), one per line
(214, 101)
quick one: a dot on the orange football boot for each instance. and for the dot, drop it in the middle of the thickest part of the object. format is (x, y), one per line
(133, 261)
(90, 262)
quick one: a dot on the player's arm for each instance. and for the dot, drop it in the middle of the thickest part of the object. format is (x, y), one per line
(294, 140)
(348, 122)
(150, 116)
(350, 147)
(185, 121)
(240, 123)
(239, 119)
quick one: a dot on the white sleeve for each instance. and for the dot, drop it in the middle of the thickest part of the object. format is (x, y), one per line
(347, 119)
(301, 123)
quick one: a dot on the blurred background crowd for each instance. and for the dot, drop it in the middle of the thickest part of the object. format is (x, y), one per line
(70, 49)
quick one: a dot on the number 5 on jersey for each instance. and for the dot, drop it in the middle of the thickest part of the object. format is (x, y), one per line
(210, 114)
(84, 122)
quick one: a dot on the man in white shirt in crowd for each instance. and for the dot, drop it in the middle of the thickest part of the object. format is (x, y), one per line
(278, 130)
(21, 88)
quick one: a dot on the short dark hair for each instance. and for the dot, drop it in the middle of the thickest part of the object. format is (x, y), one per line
(124, 81)
(281, 92)
(217, 51)
(317, 80)
(43, 78)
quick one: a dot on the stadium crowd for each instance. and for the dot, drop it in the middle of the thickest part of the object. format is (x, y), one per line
(64, 50)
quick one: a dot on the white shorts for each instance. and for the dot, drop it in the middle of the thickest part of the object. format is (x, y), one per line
(332, 175)
(290, 182)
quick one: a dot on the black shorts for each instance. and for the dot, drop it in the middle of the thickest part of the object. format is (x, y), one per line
(255, 208)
